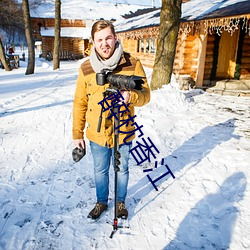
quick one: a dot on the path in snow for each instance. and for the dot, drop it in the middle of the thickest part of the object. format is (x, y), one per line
(45, 197)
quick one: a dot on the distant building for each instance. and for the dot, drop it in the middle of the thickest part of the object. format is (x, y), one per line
(75, 36)
(77, 19)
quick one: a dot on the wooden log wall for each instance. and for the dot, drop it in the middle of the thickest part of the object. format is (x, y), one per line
(66, 44)
(47, 45)
(178, 61)
(131, 46)
(185, 59)
(245, 60)
(186, 55)
(50, 22)
(79, 46)
(190, 56)
(146, 59)
(209, 57)
(73, 45)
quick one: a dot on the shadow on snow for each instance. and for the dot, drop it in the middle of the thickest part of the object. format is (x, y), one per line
(23, 110)
(188, 155)
(209, 225)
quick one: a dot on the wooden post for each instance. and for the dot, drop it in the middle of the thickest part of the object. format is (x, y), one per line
(201, 60)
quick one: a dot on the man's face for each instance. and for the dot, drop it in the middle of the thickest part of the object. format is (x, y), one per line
(104, 42)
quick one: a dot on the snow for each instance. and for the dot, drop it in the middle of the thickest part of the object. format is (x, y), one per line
(86, 10)
(196, 9)
(155, 3)
(192, 10)
(45, 196)
(145, 20)
(84, 33)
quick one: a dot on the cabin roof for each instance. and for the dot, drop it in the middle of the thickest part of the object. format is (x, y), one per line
(140, 21)
(77, 32)
(208, 9)
(85, 10)
(193, 10)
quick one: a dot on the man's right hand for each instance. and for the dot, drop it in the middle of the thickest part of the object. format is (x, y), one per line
(79, 143)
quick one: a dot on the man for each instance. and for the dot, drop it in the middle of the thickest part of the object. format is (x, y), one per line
(107, 54)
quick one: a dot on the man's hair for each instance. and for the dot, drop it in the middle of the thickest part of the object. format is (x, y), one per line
(101, 24)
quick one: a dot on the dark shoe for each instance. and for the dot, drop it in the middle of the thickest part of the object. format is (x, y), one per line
(122, 211)
(97, 210)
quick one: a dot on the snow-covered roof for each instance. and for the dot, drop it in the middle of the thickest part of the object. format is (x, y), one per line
(205, 9)
(145, 20)
(85, 10)
(191, 11)
(79, 32)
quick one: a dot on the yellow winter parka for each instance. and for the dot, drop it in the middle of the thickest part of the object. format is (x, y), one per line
(88, 94)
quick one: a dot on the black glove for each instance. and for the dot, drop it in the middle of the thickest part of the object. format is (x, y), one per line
(78, 153)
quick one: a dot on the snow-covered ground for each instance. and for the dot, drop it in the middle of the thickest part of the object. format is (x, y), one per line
(45, 197)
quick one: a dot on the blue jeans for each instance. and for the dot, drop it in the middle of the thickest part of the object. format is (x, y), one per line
(102, 158)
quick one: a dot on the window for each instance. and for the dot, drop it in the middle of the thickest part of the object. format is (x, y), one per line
(146, 45)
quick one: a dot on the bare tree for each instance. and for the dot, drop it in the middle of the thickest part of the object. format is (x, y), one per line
(11, 24)
(56, 59)
(3, 57)
(11, 16)
(168, 34)
(28, 33)
(36, 3)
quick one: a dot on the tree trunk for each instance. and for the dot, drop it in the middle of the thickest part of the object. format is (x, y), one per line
(28, 33)
(168, 34)
(3, 57)
(56, 59)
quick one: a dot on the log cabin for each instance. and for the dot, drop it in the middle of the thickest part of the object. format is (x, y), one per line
(77, 17)
(74, 37)
(213, 41)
